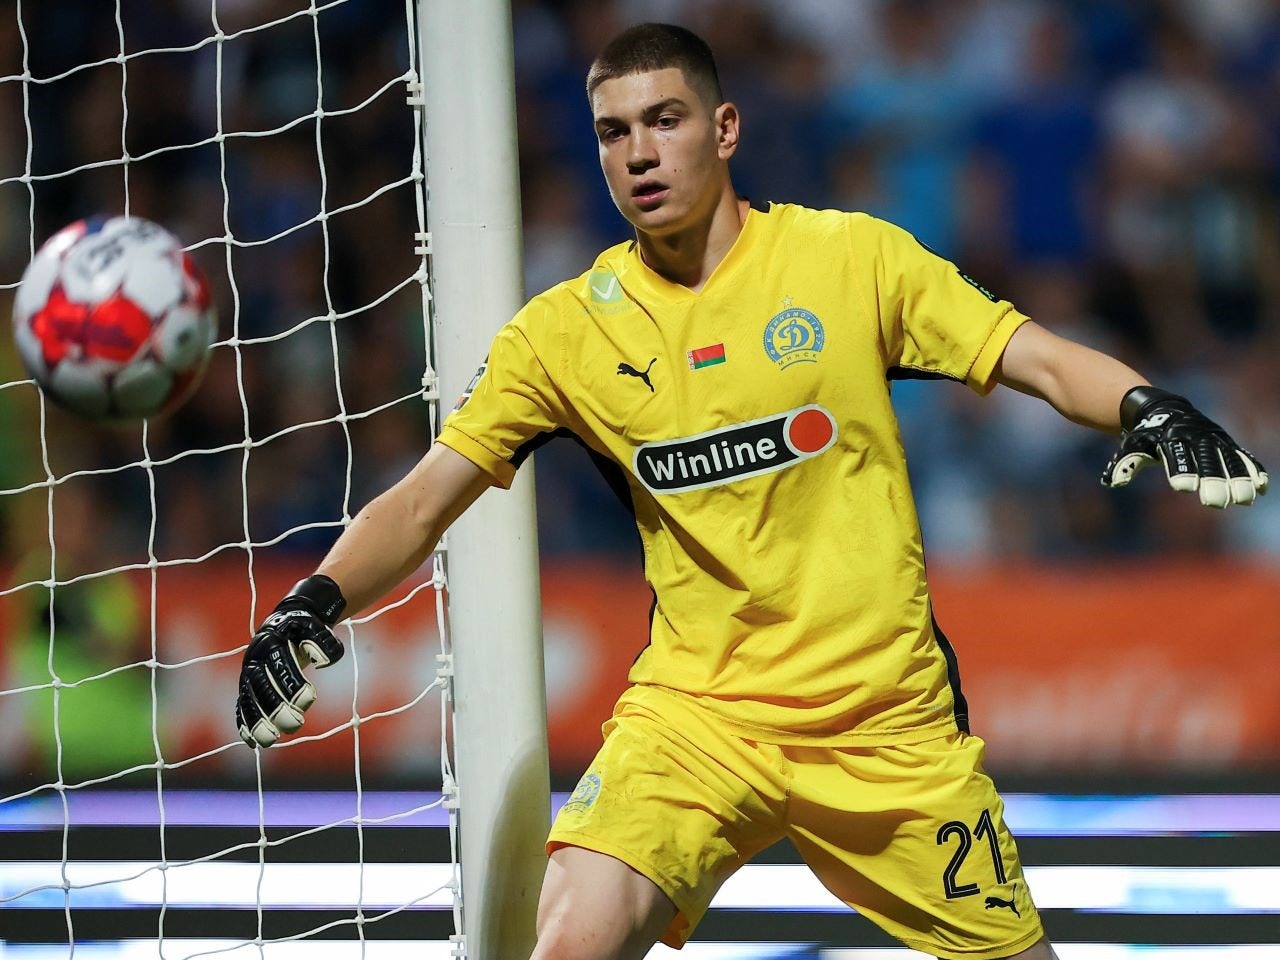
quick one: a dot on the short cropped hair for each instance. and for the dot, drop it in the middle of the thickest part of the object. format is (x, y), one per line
(658, 46)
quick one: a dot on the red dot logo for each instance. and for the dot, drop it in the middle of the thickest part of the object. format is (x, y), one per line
(810, 431)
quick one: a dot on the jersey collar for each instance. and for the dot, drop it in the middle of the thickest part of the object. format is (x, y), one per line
(644, 276)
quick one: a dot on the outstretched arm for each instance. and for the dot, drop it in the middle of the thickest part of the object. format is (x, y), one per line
(1157, 426)
(396, 532)
(1079, 382)
(387, 541)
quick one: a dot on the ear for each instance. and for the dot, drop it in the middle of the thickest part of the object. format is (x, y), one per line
(727, 128)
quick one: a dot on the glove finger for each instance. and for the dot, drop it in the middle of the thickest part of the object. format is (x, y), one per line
(270, 681)
(1243, 485)
(1256, 472)
(1235, 462)
(242, 726)
(285, 672)
(321, 647)
(1123, 466)
(1216, 490)
(287, 719)
(255, 729)
(1243, 492)
(1180, 464)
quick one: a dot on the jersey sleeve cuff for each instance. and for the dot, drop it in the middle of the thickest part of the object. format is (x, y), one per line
(502, 472)
(982, 374)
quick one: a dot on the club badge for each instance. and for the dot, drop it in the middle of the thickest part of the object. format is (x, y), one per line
(793, 336)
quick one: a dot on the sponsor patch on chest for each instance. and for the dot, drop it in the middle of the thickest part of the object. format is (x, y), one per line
(732, 453)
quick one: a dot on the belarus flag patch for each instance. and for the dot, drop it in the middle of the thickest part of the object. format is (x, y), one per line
(706, 356)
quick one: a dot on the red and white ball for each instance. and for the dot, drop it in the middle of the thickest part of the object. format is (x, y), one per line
(114, 320)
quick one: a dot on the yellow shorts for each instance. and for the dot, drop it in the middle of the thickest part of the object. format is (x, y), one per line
(912, 837)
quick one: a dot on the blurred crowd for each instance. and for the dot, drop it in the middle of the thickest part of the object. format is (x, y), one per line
(1111, 167)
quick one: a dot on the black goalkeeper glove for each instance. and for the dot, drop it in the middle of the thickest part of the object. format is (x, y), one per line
(273, 690)
(1196, 452)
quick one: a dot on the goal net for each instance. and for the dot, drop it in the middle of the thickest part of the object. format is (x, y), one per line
(283, 142)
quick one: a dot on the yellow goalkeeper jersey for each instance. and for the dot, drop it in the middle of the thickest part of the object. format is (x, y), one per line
(752, 424)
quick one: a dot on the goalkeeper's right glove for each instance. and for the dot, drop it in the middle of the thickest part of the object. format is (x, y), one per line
(1196, 452)
(273, 690)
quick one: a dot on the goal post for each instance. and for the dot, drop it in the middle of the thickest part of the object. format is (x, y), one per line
(500, 739)
(278, 145)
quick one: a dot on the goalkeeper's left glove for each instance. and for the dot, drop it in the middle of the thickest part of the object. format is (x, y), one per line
(1196, 452)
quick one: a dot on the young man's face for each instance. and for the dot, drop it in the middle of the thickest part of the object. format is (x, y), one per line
(663, 150)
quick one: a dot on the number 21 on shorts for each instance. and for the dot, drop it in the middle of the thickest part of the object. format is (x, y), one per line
(958, 831)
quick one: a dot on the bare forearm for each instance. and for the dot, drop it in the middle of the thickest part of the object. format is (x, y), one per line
(382, 546)
(1082, 384)
(1092, 392)
(396, 532)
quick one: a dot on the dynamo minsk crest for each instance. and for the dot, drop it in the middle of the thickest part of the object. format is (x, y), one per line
(793, 336)
(584, 794)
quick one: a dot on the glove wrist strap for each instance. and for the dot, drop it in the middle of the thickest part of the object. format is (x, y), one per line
(322, 595)
(1133, 406)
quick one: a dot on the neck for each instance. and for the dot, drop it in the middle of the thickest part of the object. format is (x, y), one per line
(689, 256)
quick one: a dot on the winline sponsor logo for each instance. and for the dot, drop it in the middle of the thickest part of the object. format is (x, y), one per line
(735, 452)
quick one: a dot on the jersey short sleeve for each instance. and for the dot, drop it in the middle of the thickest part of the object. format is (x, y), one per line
(513, 400)
(935, 320)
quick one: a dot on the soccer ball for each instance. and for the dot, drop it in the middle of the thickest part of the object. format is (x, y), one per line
(114, 320)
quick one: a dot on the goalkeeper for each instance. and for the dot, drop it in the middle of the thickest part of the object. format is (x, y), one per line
(733, 363)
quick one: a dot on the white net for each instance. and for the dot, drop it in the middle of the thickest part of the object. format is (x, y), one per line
(274, 138)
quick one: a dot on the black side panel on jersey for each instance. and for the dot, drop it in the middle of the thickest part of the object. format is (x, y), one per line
(953, 669)
(953, 676)
(535, 443)
(610, 471)
(612, 474)
(911, 373)
(616, 479)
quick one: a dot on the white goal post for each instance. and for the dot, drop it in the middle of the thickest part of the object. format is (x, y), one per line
(468, 85)
(256, 102)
